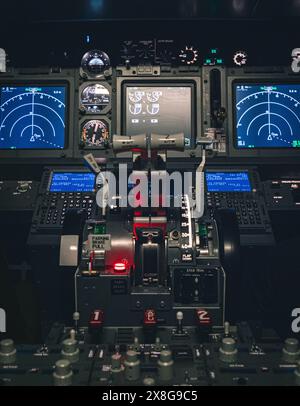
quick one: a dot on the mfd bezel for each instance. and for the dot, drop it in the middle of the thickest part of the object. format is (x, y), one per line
(43, 80)
(239, 77)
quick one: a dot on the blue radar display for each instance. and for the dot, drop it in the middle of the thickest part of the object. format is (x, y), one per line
(32, 117)
(267, 115)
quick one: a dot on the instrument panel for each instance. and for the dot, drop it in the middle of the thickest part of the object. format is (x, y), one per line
(95, 98)
(63, 113)
(267, 116)
(33, 116)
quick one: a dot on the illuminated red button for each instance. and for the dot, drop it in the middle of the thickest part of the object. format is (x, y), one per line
(150, 317)
(203, 317)
(96, 318)
(121, 266)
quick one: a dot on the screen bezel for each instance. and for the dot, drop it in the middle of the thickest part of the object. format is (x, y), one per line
(163, 83)
(239, 77)
(62, 171)
(235, 134)
(68, 83)
(174, 77)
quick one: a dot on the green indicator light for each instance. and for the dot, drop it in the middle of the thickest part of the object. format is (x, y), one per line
(213, 51)
(99, 229)
(208, 61)
(203, 230)
(220, 61)
(296, 144)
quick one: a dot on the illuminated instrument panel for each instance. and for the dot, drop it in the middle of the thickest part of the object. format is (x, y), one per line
(228, 182)
(267, 115)
(41, 117)
(33, 117)
(151, 260)
(159, 109)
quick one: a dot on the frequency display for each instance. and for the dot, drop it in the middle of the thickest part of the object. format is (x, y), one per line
(267, 115)
(161, 110)
(32, 117)
(72, 182)
(228, 182)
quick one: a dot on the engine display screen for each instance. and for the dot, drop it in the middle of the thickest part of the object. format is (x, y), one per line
(72, 182)
(160, 110)
(228, 182)
(267, 115)
(32, 116)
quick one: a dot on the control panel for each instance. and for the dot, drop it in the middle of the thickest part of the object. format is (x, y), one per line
(176, 357)
(282, 194)
(18, 195)
(62, 190)
(240, 190)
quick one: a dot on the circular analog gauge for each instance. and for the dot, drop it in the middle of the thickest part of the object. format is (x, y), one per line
(95, 98)
(95, 62)
(95, 133)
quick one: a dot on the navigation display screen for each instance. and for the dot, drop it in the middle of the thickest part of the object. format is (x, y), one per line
(267, 115)
(160, 110)
(32, 116)
(228, 182)
(72, 182)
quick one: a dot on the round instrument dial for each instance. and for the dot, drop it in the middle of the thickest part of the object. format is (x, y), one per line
(240, 58)
(95, 63)
(95, 133)
(189, 55)
(95, 98)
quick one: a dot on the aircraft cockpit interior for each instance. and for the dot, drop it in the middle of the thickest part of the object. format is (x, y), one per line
(150, 193)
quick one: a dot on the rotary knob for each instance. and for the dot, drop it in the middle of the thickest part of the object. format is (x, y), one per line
(291, 350)
(149, 381)
(116, 365)
(165, 366)
(7, 352)
(70, 350)
(132, 366)
(228, 351)
(63, 373)
(23, 187)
